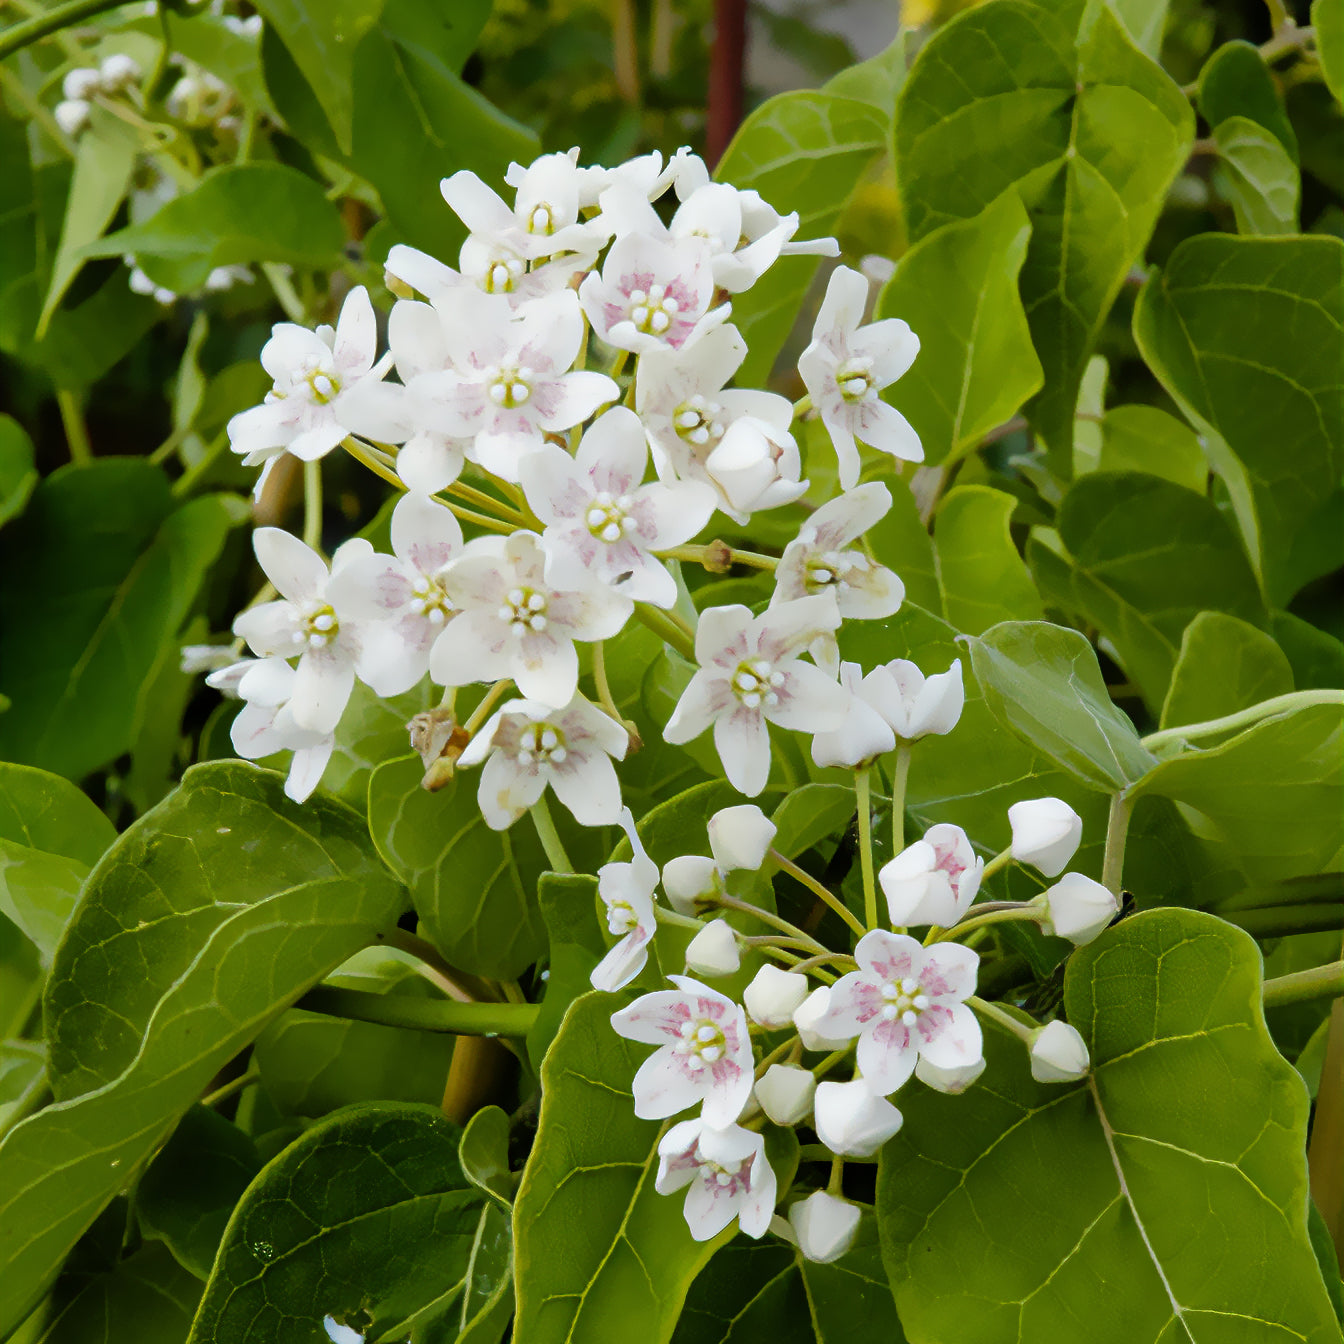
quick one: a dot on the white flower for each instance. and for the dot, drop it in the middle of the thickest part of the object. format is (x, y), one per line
(646, 174)
(740, 837)
(1058, 1054)
(749, 676)
(401, 597)
(863, 733)
(513, 623)
(934, 880)
(952, 1080)
(81, 83)
(488, 266)
(906, 1001)
(773, 996)
(544, 221)
(808, 1018)
(601, 521)
(785, 1093)
(1046, 832)
(306, 621)
(755, 466)
(913, 704)
(851, 1120)
(118, 71)
(704, 1052)
(690, 880)
(824, 1226)
(714, 950)
(314, 374)
(1077, 908)
(728, 1175)
(847, 365)
(627, 891)
(72, 115)
(531, 745)
(652, 294)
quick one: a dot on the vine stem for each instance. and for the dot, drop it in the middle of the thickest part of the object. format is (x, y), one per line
(550, 837)
(1113, 859)
(43, 25)
(1246, 717)
(1320, 982)
(403, 1010)
(863, 797)
(673, 631)
(76, 435)
(1006, 912)
(822, 893)
(767, 917)
(244, 1080)
(1005, 1019)
(312, 504)
(900, 776)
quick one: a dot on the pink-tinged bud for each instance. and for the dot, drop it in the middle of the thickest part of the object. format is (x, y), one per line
(851, 1121)
(808, 1014)
(714, 950)
(1058, 1054)
(785, 1093)
(774, 995)
(824, 1226)
(953, 1080)
(739, 837)
(934, 880)
(1046, 832)
(689, 881)
(1077, 908)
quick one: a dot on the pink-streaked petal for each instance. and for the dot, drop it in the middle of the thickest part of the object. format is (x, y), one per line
(622, 963)
(890, 344)
(709, 1208)
(545, 668)
(654, 1019)
(425, 533)
(614, 451)
(471, 648)
(886, 1058)
(889, 956)
(883, 427)
(664, 1085)
(957, 1042)
(555, 485)
(701, 703)
(786, 630)
(671, 515)
(572, 398)
(723, 636)
(370, 588)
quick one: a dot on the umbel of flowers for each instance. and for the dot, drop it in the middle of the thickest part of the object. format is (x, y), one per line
(594, 484)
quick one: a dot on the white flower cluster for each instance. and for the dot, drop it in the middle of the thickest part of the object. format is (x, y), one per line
(114, 78)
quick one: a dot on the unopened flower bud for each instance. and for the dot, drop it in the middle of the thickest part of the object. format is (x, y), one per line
(785, 1093)
(119, 71)
(714, 950)
(824, 1226)
(1046, 832)
(72, 115)
(913, 704)
(739, 837)
(953, 1080)
(773, 995)
(81, 83)
(1077, 908)
(808, 1014)
(850, 1121)
(1058, 1054)
(934, 880)
(749, 459)
(689, 881)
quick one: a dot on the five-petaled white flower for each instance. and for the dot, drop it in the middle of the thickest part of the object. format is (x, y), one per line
(544, 220)
(862, 735)
(847, 365)
(934, 880)
(728, 1175)
(749, 676)
(512, 622)
(531, 745)
(905, 1001)
(627, 891)
(704, 1052)
(601, 521)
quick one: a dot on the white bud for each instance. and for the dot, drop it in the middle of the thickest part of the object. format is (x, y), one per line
(824, 1226)
(72, 115)
(340, 1334)
(934, 880)
(714, 950)
(850, 1121)
(1058, 1054)
(785, 1093)
(953, 1080)
(773, 995)
(1046, 832)
(119, 71)
(740, 836)
(689, 880)
(82, 83)
(913, 704)
(808, 1014)
(1078, 908)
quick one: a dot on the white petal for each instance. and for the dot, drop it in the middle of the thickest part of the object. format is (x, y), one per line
(297, 571)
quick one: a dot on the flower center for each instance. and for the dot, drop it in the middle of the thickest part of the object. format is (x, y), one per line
(525, 610)
(697, 421)
(322, 387)
(509, 387)
(652, 310)
(621, 918)
(903, 999)
(318, 627)
(542, 219)
(607, 518)
(501, 275)
(829, 569)
(948, 862)
(702, 1042)
(429, 600)
(725, 1176)
(542, 744)
(855, 377)
(756, 683)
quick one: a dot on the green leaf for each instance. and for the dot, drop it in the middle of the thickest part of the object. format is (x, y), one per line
(246, 212)
(372, 730)
(367, 1218)
(599, 1254)
(205, 919)
(1243, 333)
(1236, 82)
(51, 834)
(208, 41)
(473, 888)
(1329, 25)
(191, 1187)
(108, 576)
(569, 908)
(806, 150)
(877, 80)
(484, 1154)
(810, 814)
(1142, 558)
(1055, 101)
(1274, 794)
(1317, 658)
(1145, 439)
(1262, 178)
(1145, 21)
(1224, 665)
(902, 543)
(957, 288)
(1043, 682)
(18, 476)
(23, 1073)
(1174, 1173)
(980, 572)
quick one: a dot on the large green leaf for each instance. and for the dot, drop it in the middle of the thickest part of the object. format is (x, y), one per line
(372, 730)
(1243, 332)
(902, 543)
(1055, 101)
(1236, 82)
(1173, 1174)
(367, 1218)
(957, 288)
(1145, 439)
(1261, 177)
(569, 907)
(473, 888)
(51, 834)
(599, 1254)
(1224, 665)
(95, 578)
(806, 150)
(205, 919)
